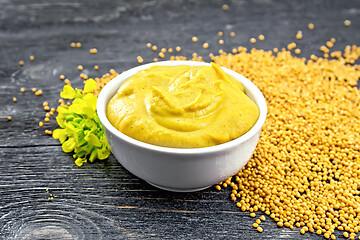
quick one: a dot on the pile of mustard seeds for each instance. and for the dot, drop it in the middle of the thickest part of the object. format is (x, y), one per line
(305, 171)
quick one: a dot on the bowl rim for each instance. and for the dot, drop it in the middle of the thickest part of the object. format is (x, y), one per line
(248, 85)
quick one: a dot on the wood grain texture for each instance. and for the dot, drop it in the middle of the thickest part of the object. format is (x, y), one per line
(43, 195)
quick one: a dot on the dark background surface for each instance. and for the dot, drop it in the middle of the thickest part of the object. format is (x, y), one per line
(103, 200)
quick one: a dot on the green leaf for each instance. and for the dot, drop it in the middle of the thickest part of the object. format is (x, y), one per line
(93, 155)
(68, 92)
(90, 85)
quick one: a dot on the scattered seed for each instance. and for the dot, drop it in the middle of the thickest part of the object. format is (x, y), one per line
(140, 59)
(93, 50)
(347, 23)
(225, 7)
(299, 35)
(329, 44)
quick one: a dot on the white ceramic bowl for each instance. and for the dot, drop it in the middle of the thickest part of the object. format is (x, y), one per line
(177, 169)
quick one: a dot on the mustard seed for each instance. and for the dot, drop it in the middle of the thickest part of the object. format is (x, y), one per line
(140, 59)
(347, 23)
(299, 35)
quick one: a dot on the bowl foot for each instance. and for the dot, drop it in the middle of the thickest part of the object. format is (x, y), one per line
(178, 189)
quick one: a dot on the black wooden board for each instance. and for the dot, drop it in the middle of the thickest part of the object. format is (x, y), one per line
(102, 200)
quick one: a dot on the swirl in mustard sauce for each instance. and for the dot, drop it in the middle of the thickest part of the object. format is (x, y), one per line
(182, 107)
